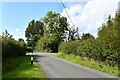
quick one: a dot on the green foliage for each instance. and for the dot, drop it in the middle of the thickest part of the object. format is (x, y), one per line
(91, 48)
(74, 47)
(48, 42)
(54, 30)
(34, 32)
(105, 48)
(84, 48)
(109, 38)
(11, 51)
(86, 36)
(40, 46)
(12, 48)
(69, 47)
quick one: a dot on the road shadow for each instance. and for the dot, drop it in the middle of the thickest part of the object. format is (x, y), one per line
(36, 57)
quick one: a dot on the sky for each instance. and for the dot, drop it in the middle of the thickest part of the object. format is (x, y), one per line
(17, 15)
(87, 15)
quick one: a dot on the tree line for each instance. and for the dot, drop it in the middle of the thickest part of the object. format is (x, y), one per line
(48, 33)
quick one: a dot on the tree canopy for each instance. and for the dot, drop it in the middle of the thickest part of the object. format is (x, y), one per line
(34, 32)
(54, 32)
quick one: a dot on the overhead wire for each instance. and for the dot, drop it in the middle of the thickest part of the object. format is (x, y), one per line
(70, 20)
(66, 12)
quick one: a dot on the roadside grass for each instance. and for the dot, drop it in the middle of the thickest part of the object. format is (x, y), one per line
(25, 70)
(89, 63)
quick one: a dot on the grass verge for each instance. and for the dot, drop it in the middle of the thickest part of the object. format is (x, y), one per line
(89, 63)
(25, 70)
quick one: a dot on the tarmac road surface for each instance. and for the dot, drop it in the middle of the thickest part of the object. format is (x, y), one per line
(59, 68)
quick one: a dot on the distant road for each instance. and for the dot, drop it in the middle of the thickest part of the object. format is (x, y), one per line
(59, 68)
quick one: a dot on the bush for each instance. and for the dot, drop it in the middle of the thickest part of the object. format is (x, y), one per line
(69, 47)
(91, 48)
(12, 48)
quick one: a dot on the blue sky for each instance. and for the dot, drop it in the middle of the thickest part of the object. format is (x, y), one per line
(17, 15)
(87, 15)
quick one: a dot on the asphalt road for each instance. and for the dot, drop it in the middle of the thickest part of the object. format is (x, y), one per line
(59, 68)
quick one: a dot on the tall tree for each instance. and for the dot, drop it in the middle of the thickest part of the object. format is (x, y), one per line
(55, 27)
(55, 24)
(34, 32)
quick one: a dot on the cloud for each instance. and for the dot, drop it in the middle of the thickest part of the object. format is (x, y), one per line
(90, 16)
(17, 30)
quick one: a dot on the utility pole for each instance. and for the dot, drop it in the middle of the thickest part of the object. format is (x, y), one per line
(77, 34)
(119, 6)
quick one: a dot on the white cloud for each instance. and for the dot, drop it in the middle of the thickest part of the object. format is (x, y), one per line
(17, 30)
(90, 16)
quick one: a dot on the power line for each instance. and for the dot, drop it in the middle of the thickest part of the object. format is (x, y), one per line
(73, 31)
(60, 6)
(67, 12)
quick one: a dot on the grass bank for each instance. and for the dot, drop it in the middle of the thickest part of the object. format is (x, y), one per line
(25, 70)
(89, 63)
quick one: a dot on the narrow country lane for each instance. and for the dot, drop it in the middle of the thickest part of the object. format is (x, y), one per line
(59, 68)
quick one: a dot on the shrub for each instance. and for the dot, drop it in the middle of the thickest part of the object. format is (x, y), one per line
(69, 47)
(12, 48)
(90, 48)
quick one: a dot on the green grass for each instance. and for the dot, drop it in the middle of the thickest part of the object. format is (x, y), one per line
(26, 70)
(89, 63)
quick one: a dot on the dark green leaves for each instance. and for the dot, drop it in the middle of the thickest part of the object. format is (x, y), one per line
(34, 32)
(54, 30)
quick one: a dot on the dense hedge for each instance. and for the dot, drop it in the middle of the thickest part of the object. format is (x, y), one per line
(69, 47)
(12, 48)
(85, 48)
(12, 51)
(90, 48)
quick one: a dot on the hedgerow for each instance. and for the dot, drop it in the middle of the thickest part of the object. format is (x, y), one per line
(12, 51)
(105, 48)
(12, 48)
